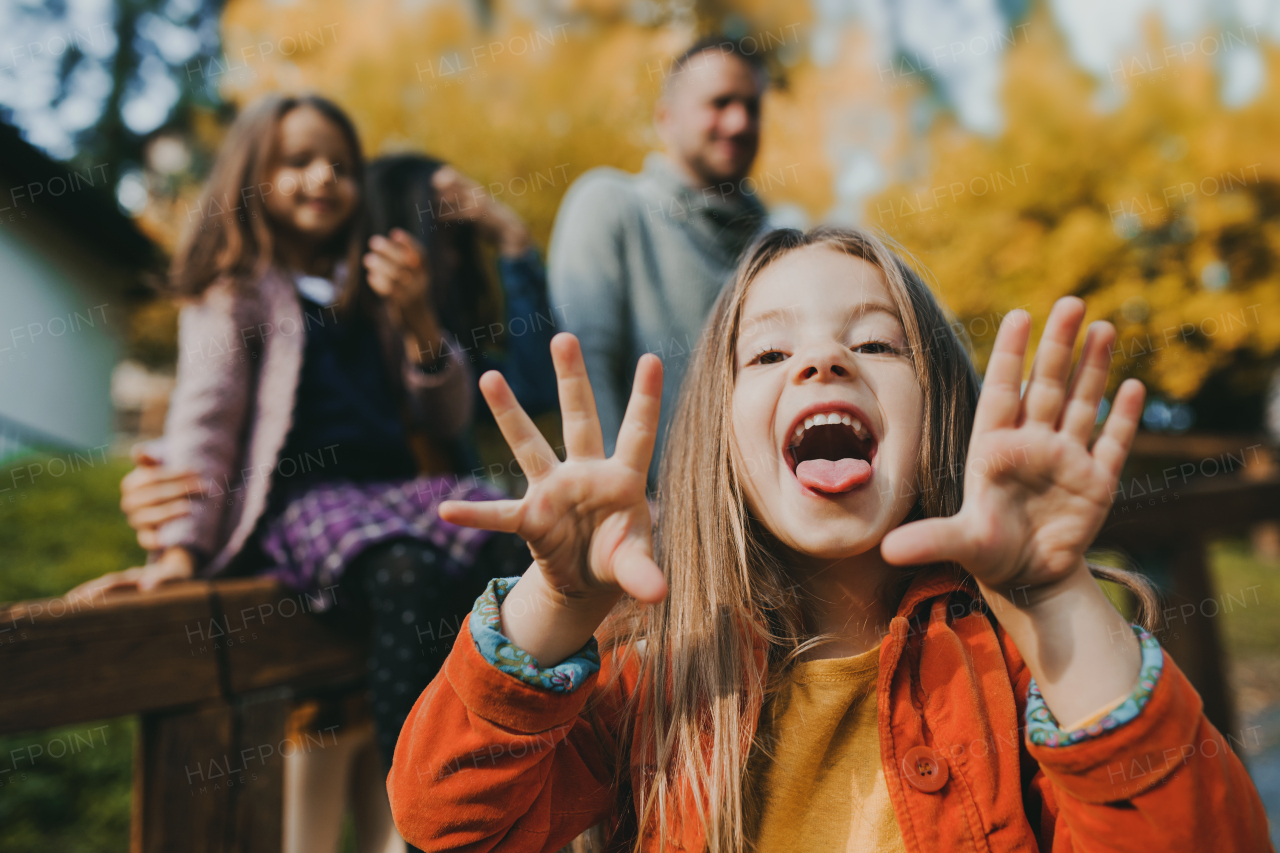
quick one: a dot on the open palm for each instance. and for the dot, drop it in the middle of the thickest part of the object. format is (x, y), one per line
(1035, 494)
(586, 519)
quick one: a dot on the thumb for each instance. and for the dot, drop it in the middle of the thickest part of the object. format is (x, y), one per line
(639, 576)
(404, 238)
(142, 454)
(151, 577)
(930, 540)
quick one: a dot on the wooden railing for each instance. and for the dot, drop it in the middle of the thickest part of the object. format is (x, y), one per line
(213, 669)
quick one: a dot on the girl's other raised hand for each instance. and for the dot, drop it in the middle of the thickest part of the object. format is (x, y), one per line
(586, 519)
(396, 267)
(397, 270)
(463, 200)
(1035, 493)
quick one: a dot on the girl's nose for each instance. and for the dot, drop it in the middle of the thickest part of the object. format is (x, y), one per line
(822, 363)
(320, 172)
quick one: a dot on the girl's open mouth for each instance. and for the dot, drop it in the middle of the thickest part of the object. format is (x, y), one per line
(831, 452)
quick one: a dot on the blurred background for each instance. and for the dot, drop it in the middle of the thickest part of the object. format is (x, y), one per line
(1125, 151)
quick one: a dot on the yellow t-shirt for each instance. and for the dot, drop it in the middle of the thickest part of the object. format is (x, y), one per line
(814, 779)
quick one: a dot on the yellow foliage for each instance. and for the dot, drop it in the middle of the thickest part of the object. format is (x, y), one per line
(520, 105)
(1164, 212)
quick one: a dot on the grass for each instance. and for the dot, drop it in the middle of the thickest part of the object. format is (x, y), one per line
(1248, 592)
(64, 789)
(61, 530)
(67, 789)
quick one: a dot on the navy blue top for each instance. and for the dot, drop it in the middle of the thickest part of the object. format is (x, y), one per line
(347, 411)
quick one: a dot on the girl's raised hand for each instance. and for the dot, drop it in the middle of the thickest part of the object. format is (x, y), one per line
(463, 200)
(397, 270)
(586, 519)
(1035, 494)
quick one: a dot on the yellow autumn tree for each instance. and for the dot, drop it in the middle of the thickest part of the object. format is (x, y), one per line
(522, 105)
(1163, 210)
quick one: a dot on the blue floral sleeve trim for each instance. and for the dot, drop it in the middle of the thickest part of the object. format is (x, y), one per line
(1042, 726)
(486, 622)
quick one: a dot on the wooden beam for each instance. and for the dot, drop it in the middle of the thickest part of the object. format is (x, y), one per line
(1149, 514)
(257, 807)
(279, 638)
(182, 645)
(211, 779)
(121, 654)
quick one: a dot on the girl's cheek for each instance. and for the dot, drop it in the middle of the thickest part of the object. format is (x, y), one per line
(287, 184)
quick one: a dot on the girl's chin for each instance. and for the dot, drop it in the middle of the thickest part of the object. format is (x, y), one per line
(835, 549)
(831, 537)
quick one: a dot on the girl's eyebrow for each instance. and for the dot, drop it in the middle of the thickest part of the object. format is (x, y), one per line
(862, 309)
(751, 324)
(765, 320)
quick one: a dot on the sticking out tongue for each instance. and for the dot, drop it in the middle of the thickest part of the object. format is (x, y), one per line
(833, 476)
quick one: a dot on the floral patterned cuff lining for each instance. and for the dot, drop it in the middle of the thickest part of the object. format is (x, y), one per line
(1042, 726)
(486, 624)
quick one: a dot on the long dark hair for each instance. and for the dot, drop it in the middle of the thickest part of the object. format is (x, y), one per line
(232, 235)
(401, 195)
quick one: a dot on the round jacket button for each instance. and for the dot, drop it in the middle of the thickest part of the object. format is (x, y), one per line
(925, 769)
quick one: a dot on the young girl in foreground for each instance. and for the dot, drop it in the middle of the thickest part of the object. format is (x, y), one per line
(857, 634)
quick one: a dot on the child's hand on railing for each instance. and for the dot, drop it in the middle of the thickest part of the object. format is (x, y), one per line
(152, 495)
(1035, 494)
(586, 519)
(176, 564)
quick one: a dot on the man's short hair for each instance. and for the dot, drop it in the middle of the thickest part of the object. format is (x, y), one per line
(720, 42)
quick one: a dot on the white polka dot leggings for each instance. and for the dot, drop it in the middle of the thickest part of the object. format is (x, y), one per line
(417, 610)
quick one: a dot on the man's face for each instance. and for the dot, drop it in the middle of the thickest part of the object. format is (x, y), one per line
(709, 117)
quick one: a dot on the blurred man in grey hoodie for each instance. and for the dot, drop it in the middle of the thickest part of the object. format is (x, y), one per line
(636, 261)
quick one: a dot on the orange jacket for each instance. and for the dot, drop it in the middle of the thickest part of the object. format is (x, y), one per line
(485, 762)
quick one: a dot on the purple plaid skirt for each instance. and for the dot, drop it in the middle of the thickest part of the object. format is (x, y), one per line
(325, 526)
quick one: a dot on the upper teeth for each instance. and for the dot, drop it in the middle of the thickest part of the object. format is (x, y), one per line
(830, 418)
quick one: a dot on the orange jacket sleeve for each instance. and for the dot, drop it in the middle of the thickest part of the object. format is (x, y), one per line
(485, 762)
(1166, 780)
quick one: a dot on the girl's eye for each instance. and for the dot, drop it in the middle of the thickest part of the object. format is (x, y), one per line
(875, 348)
(768, 356)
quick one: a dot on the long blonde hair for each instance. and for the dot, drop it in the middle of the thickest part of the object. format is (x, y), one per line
(731, 599)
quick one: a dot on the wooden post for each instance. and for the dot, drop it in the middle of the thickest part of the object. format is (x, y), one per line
(1189, 632)
(211, 779)
(182, 790)
(258, 807)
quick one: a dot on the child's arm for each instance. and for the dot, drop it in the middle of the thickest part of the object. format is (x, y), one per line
(497, 754)
(1035, 496)
(488, 762)
(202, 441)
(586, 519)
